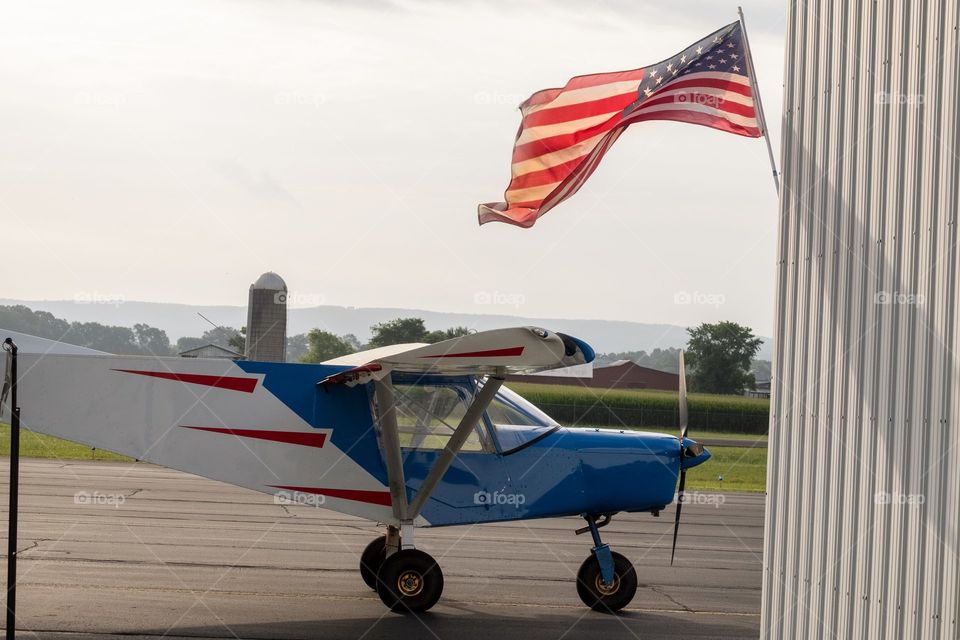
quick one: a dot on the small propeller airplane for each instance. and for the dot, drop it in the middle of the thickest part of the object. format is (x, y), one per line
(410, 435)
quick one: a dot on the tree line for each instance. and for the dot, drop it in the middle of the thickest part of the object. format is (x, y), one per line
(719, 357)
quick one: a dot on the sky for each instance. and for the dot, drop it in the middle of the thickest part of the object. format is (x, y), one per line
(173, 151)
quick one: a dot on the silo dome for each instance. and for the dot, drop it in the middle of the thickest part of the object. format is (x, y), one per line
(270, 281)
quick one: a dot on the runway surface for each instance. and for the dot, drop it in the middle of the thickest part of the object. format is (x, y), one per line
(145, 552)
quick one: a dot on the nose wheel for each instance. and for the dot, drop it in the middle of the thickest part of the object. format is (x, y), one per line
(606, 580)
(600, 595)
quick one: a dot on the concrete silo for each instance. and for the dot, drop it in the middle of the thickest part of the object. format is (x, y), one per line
(267, 319)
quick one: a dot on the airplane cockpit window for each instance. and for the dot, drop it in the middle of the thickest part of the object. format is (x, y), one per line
(517, 422)
(427, 416)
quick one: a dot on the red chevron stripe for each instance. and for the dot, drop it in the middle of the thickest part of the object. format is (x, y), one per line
(357, 495)
(287, 437)
(247, 385)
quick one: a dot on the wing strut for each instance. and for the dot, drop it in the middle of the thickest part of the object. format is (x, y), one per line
(406, 513)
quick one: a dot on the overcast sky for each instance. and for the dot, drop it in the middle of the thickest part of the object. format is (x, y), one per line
(172, 151)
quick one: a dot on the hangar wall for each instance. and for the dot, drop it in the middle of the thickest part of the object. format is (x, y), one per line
(863, 507)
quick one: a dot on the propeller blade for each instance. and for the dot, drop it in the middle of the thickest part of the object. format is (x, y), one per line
(676, 522)
(683, 399)
(682, 393)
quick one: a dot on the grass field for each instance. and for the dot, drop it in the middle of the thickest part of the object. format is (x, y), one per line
(35, 445)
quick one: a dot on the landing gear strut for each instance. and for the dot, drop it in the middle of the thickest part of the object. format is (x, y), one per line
(606, 580)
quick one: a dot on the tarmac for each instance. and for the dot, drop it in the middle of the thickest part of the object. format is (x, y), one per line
(136, 551)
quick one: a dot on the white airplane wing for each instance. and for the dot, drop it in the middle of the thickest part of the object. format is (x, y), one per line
(496, 352)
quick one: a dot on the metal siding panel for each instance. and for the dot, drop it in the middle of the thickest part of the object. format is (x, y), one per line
(866, 390)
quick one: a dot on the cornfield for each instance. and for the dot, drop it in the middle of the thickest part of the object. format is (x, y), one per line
(584, 407)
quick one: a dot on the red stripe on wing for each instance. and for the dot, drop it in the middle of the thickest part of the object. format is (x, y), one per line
(247, 385)
(492, 353)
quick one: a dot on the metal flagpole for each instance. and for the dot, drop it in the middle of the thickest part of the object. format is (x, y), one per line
(756, 93)
(11, 348)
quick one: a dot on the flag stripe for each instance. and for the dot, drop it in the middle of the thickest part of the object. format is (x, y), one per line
(579, 110)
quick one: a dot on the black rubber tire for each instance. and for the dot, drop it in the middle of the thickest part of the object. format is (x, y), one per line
(590, 584)
(371, 559)
(409, 581)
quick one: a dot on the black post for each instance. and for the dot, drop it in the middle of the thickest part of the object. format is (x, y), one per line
(9, 345)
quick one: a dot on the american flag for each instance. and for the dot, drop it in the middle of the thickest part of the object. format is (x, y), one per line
(564, 133)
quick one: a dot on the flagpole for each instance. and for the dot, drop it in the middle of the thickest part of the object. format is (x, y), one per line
(756, 92)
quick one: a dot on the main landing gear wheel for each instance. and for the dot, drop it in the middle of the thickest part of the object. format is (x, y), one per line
(600, 597)
(409, 580)
(371, 559)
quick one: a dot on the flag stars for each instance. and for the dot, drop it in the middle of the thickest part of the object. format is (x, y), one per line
(735, 68)
(711, 66)
(659, 80)
(683, 59)
(647, 92)
(730, 44)
(670, 67)
(723, 60)
(653, 73)
(734, 56)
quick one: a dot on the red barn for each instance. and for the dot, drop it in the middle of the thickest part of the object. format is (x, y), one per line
(622, 374)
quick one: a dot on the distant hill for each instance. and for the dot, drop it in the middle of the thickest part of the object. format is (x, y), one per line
(180, 320)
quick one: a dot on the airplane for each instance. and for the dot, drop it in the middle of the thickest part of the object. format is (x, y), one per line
(409, 435)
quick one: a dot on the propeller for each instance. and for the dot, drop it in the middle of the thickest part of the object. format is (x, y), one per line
(683, 436)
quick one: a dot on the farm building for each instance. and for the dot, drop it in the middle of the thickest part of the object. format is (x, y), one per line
(622, 374)
(211, 351)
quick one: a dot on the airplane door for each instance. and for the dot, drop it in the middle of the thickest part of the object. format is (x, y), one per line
(476, 487)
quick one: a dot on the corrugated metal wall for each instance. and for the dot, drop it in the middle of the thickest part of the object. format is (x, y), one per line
(864, 471)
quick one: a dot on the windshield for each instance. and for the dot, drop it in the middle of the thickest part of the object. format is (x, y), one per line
(516, 421)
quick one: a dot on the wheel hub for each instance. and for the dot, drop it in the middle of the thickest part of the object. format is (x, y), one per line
(610, 589)
(410, 583)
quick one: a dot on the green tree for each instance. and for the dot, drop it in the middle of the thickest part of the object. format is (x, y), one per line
(720, 356)
(151, 340)
(238, 341)
(323, 346)
(446, 334)
(296, 347)
(398, 331)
